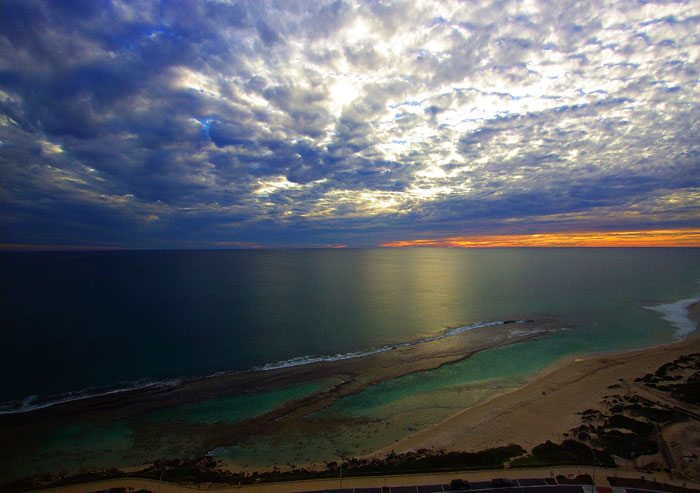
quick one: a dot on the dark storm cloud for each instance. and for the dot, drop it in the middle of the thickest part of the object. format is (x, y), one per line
(169, 123)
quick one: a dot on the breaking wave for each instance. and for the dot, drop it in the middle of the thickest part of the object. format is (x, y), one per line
(677, 314)
(35, 402)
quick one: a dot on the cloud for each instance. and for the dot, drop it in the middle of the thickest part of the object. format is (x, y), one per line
(327, 122)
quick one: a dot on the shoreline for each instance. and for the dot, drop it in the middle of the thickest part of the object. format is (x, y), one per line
(577, 380)
(417, 440)
(559, 391)
(29, 431)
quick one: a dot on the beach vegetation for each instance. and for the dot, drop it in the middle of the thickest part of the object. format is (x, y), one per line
(635, 425)
(617, 432)
(569, 452)
(628, 429)
(208, 470)
(688, 391)
(676, 378)
(590, 414)
(626, 445)
(638, 406)
(427, 460)
(652, 413)
(676, 371)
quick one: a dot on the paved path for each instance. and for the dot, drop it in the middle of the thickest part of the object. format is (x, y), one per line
(527, 485)
(421, 483)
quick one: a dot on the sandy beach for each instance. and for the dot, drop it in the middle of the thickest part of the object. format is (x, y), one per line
(546, 406)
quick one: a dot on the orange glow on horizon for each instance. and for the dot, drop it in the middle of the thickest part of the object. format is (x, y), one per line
(654, 238)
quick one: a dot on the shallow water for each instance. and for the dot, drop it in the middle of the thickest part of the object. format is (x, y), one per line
(92, 322)
(88, 321)
(235, 409)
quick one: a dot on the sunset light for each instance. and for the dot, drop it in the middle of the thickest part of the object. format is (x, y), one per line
(652, 238)
(384, 246)
(349, 122)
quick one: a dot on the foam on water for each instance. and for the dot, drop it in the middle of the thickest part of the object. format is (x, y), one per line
(34, 402)
(677, 314)
(305, 360)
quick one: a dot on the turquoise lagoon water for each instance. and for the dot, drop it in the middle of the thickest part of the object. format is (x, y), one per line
(234, 409)
(82, 323)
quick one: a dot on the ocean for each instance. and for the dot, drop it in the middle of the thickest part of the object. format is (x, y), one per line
(76, 324)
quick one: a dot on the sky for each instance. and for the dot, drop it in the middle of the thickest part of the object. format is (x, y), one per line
(235, 124)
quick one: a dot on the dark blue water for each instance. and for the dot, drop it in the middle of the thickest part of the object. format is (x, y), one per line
(80, 320)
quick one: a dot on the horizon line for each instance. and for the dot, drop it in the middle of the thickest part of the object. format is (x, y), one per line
(657, 238)
(660, 238)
